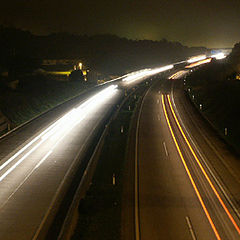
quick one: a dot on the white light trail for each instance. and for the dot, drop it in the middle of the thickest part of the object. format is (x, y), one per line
(219, 56)
(62, 126)
(195, 64)
(20, 160)
(43, 159)
(196, 58)
(140, 75)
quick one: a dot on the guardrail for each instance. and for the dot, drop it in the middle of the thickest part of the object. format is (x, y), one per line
(4, 125)
(71, 217)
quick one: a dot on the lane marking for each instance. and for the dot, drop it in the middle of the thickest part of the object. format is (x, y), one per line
(202, 169)
(190, 227)
(137, 217)
(35, 148)
(56, 195)
(43, 159)
(24, 180)
(158, 116)
(165, 148)
(206, 164)
(52, 129)
(189, 174)
(20, 160)
(27, 146)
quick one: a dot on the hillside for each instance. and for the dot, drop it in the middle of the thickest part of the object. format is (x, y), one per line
(107, 54)
(216, 87)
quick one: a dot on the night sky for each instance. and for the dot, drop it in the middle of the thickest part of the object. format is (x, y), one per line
(210, 23)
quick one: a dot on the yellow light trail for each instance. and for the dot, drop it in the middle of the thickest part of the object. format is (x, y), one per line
(196, 58)
(202, 169)
(208, 60)
(178, 74)
(189, 174)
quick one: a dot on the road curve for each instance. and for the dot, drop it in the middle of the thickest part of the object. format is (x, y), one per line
(178, 197)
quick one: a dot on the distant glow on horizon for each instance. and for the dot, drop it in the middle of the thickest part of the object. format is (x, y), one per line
(219, 56)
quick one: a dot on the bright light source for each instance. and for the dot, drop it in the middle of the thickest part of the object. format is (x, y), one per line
(61, 127)
(196, 58)
(80, 66)
(178, 74)
(219, 56)
(195, 64)
(161, 69)
(140, 75)
(132, 77)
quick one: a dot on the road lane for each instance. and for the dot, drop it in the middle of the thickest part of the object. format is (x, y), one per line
(222, 218)
(200, 165)
(167, 201)
(35, 186)
(224, 164)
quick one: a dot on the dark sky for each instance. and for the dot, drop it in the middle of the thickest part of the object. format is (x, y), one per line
(211, 23)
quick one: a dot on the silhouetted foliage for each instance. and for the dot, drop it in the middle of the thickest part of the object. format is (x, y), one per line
(76, 75)
(234, 58)
(107, 54)
(215, 87)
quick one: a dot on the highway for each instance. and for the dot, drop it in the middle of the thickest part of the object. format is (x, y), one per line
(35, 175)
(39, 160)
(186, 180)
(175, 197)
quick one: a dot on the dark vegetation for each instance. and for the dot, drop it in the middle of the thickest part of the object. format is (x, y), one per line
(100, 210)
(35, 96)
(216, 86)
(24, 94)
(104, 53)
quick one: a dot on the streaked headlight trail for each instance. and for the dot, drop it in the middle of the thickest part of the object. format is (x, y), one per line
(62, 126)
(232, 221)
(188, 172)
(140, 75)
(196, 58)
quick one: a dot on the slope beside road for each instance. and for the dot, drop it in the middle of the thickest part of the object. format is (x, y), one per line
(177, 196)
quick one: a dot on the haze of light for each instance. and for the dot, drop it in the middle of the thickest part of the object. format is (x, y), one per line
(194, 23)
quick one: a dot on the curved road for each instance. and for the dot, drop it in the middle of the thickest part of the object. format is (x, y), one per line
(182, 191)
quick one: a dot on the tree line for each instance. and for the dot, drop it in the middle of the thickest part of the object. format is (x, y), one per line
(108, 54)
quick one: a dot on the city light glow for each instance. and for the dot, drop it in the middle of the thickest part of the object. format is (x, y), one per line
(219, 56)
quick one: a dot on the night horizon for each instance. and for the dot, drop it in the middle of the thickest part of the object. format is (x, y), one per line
(210, 24)
(119, 120)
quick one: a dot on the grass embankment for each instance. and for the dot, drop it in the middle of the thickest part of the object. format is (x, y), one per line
(219, 95)
(35, 96)
(100, 210)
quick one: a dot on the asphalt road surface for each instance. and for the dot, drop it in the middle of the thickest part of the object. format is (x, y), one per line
(183, 189)
(35, 173)
(39, 160)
